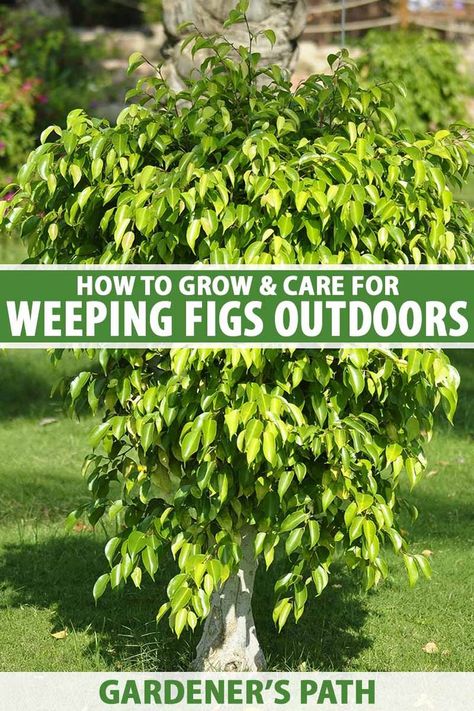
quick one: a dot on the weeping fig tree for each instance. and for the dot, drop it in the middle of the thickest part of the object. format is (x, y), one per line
(230, 457)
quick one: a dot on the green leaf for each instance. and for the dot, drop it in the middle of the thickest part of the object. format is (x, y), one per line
(215, 571)
(314, 532)
(320, 579)
(356, 528)
(259, 542)
(147, 436)
(284, 481)
(98, 433)
(270, 35)
(424, 565)
(209, 222)
(294, 540)
(269, 447)
(192, 233)
(253, 448)
(84, 195)
(397, 540)
(363, 501)
(136, 542)
(392, 452)
(356, 380)
(190, 443)
(412, 570)
(390, 116)
(349, 513)
(150, 561)
(137, 577)
(78, 384)
(149, 399)
(134, 61)
(301, 199)
(449, 400)
(180, 599)
(209, 432)
(76, 173)
(356, 212)
(124, 391)
(111, 547)
(420, 172)
(163, 610)
(370, 531)
(179, 361)
(327, 498)
(180, 622)
(293, 520)
(232, 419)
(281, 612)
(100, 586)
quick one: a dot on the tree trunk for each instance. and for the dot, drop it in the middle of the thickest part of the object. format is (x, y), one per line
(286, 17)
(229, 640)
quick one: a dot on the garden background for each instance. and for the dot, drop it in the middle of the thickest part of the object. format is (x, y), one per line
(51, 63)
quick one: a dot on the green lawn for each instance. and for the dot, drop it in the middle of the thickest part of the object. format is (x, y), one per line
(468, 191)
(47, 575)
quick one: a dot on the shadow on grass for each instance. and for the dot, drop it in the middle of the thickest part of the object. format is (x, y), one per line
(442, 517)
(59, 574)
(463, 360)
(26, 380)
(39, 496)
(24, 388)
(329, 635)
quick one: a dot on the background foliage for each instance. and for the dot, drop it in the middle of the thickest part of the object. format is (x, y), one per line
(426, 66)
(46, 72)
(17, 115)
(48, 52)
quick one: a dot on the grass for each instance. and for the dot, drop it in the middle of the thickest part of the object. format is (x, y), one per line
(12, 251)
(468, 191)
(47, 574)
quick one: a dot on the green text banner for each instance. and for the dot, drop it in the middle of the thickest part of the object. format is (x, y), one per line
(275, 306)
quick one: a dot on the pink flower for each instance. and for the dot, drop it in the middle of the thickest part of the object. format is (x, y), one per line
(3, 145)
(27, 86)
(9, 196)
(42, 99)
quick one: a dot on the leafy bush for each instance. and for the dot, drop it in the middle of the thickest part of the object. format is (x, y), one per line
(47, 52)
(428, 69)
(17, 115)
(308, 448)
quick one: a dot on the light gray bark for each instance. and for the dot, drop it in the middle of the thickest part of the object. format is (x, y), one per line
(286, 17)
(229, 640)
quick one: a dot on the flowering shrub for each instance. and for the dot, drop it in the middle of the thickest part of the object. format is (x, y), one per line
(17, 115)
(48, 54)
